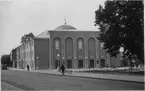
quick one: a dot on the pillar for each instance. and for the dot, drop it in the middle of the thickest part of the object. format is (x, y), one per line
(74, 53)
(86, 52)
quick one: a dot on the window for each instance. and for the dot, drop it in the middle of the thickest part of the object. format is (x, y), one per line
(80, 45)
(57, 45)
(101, 45)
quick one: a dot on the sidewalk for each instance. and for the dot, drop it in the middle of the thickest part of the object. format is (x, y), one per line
(129, 78)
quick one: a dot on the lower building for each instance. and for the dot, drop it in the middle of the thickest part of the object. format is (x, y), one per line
(33, 53)
(13, 58)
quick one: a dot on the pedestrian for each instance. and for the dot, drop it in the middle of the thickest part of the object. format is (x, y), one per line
(28, 67)
(62, 69)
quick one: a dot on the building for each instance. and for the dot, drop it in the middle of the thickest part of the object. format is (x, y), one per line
(13, 58)
(31, 52)
(64, 45)
(77, 49)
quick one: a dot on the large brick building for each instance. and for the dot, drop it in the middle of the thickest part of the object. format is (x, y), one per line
(65, 44)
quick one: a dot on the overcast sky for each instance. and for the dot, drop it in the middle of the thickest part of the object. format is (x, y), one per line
(19, 17)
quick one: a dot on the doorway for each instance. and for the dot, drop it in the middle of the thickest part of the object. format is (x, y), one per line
(69, 63)
(80, 64)
(91, 63)
(102, 62)
(57, 63)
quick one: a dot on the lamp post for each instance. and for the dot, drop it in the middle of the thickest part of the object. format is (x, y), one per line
(86, 63)
(58, 59)
(63, 60)
(75, 62)
(37, 62)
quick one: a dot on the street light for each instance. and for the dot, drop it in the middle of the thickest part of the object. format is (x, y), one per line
(63, 60)
(75, 62)
(86, 64)
(58, 59)
(37, 62)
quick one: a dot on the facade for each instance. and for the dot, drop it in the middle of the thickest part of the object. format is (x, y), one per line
(13, 58)
(77, 49)
(24, 55)
(33, 53)
(64, 45)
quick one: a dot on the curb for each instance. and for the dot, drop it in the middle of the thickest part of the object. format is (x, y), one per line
(92, 77)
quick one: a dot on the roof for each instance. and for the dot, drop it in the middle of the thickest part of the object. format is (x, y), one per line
(65, 27)
(44, 34)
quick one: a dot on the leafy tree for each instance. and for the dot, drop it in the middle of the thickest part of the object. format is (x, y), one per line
(121, 26)
(27, 37)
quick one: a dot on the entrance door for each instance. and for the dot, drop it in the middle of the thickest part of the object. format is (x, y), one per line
(80, 64)
(69, 63)
(102, 62)
(57, 63)
(91, 63)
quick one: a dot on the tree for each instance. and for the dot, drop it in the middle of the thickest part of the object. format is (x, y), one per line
(121, 26)
(5, 59)
(27, 37)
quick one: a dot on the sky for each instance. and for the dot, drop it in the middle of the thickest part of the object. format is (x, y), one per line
(19, 17)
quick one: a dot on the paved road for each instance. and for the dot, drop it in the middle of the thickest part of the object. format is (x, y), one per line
(37, 81)
(6, 86)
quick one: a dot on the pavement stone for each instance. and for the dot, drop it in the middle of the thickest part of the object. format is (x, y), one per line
(130, 78)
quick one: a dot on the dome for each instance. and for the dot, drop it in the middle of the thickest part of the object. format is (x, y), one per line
(65, 27)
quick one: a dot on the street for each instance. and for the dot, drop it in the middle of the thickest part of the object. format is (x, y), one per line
(36, 81)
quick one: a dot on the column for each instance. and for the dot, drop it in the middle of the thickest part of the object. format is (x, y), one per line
(86, 52)
(50, 52)
(63, 50)
(74, 53)
(98, 53)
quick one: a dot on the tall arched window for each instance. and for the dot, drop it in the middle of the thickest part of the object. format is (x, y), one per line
(91, 52)
(80, 44)
(57, 44)
(56, 52)
(80, 52)
(69, 52)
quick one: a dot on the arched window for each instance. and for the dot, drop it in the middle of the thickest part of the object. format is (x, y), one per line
(80, 44)
(101, 45)
(57, 45)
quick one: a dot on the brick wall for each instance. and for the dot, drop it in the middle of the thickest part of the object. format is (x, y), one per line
(41, 53)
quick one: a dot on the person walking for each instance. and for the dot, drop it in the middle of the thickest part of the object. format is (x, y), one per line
(62, 69)
(28, 67)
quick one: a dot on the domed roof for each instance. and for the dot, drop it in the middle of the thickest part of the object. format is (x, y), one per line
(65, 27)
